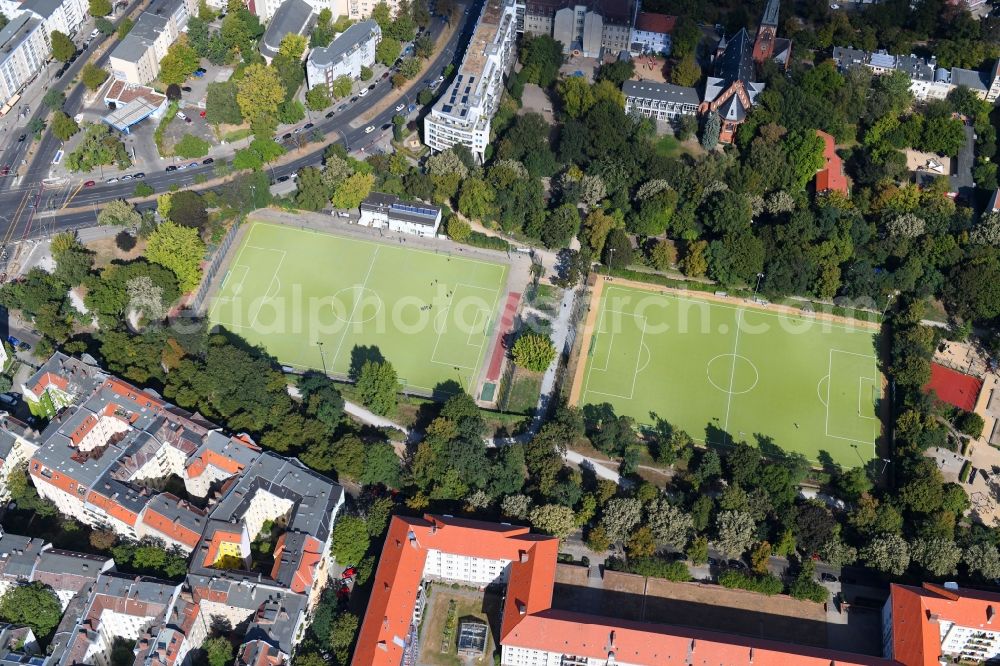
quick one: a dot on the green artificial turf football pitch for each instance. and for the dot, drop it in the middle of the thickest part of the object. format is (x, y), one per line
(723, 372)
(318, 301)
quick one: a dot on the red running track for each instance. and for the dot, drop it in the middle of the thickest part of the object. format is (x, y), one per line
(506, 328)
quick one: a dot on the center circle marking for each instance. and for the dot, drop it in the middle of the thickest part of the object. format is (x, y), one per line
(359, 298)
(741, 378)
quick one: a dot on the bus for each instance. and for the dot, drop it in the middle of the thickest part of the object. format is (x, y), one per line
(9, 105)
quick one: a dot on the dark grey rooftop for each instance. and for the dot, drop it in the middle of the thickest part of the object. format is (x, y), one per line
(70, 563)
(292, 17)
(970, 78)
(18, 555)
(140, 38)
(736, 62)
(43, 8)
(771, 12)
(346, 42)
(661, 92)
(178, 511)
(408, 211)
(15, 32)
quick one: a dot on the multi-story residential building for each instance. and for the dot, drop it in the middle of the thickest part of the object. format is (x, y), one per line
(531, 631)
(16, 448)
(23, 51)
(136, 59)
(294, 17)
(651, 34)
(660, 101)
(927, 80)
(103, 458)
(463, 114)
(388, 211)
(356, 10)
(345, 56)
(938, 624)
(590, 28)
(62, 15)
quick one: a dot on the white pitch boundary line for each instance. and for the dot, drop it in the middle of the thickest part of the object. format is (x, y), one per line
(267, 297)
(732, 374)
(829, 385)
(472, 329)
(236, 262)
(714, 304)
(440, 334)
(237, 286)
(347, 328)
(638, 357)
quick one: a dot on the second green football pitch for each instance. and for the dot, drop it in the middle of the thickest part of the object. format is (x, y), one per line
(318, 301)
(724, 372)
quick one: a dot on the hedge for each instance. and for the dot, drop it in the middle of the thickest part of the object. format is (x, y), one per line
(963, 476)
(764, 583)
(654, 567)
(809, 590)
(479, 239)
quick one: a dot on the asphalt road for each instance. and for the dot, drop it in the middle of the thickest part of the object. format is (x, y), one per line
(19, 203)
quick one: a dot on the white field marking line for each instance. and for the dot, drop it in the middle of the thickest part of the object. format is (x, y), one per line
(237, 287)
(267, 297)
(713, 304)
(437, 343)
(472, 329)
(826, 425)
(593, 341)
(732, 374)
(236, 262)
(611, 344)
(818, 394)
(638, 357)
(829, 382)
(861, 393)
(347, 328)
(502, 267)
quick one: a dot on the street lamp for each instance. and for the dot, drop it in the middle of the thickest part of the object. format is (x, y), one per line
(888, 302)
(322, 355)
(757, 286)
(611, 258)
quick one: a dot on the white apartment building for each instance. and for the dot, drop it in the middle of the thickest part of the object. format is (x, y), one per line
(62, 15)
(345, 56)
(136, 59)
(356, 10)
(660, 101)
(463, 114)
(479, 571)
(23, 51)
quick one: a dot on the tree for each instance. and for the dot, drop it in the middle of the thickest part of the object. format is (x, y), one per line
(125, 27)
(686, 71)
(146, 297)
(342, 86)
(187, 208)
(100, 8)
(516, 506)
(54, 99)
(621, 515)
(103, 539)
(814, 526)
(221, 105)
(92, 76)
(617, 249)
(710, 132)
(180, 249)
(104, 26)
(534, 352)
(577, 96)
(259, 93)
(191, 146)
(318, 97)
(382, 465)
(63, 47)
(938, 556)
(353, 190)
(350, 540)
(143, 190)
(671, 526)
(888, 553)
(984, 560)
(311, 192)
(973, 290)
(760, 557)
(121, 213)
(342, 633)
(553, 519)
(562, 225)
(735, 531)
(218, 651)
(377, 386)
(388, 51)
(63, 127)
(541, 57)
(33, 604)
(179, 63)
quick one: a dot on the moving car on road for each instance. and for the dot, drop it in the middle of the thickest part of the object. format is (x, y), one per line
(369, 129)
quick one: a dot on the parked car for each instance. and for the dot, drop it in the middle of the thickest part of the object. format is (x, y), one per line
(369, 129)
(180, 114)
(341, 213)
(207, 160)
(187, 120)
(400, 107)
(371, 87)
(111, 180)
(89, 183)
(828, 577)
(331, 114)
(287, 136)
(139, 175)
(386, 126)
(126, 177)
(193, 165)
(362, 92)
(12, 341)
(736, 564)
(342, 107)
(712, 562)
(203, 113)
(186, 88)
(354, 99)
(172, 167)
(308, 126)
(8, 400)
(283, 179)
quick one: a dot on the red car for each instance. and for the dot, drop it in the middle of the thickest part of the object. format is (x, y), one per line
(349, 572)
(202, 114)
(89, 183)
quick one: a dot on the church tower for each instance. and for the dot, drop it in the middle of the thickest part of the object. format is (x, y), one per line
(763, 48)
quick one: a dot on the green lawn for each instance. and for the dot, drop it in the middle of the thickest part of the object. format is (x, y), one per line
(723, 372)
(318, 301)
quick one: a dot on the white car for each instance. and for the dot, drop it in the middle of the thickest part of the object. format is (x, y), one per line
(834, 6)
(363, 92)
(369, 129)
(400, 107)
